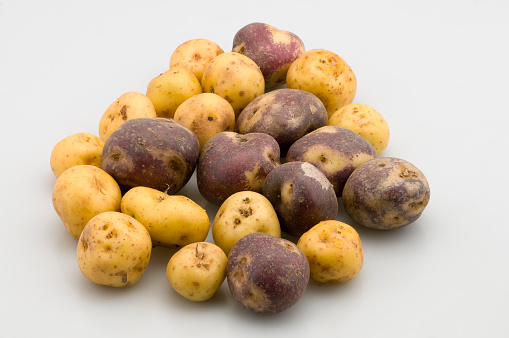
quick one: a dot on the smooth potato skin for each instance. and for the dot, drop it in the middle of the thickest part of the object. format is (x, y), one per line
(266, 274)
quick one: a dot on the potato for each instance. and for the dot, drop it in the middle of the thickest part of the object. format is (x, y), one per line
(243, 213)
(326, 75)
(386, 193)
(301, 195)
(158, 153)
(82, 192)
(336, 151)
(171, 220)
(230, 162)
(168, 90)
(333, 250)
(285, 114)
(272, 49)
(195, 55)
(114, 250)
(234, 77)
(76, 149)
(128, 106)
(206, 115)
(266, 274)
(197, 271)
(365, 121)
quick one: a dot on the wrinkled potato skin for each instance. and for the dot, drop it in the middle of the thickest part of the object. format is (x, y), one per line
(171, 220)
(365, 121)
(128, 106)
(333, 250)
(301, 195)
(243, 213)
(285, 114)
(267, 274)
(326, 75)
(76, 149)
(386, 193)
(336, 151)
(82, 192)
(114, 250)
(158, 153)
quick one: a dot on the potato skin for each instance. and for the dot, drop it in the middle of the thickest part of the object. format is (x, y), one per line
(285, 114)
(267, 274)
(386, 193)
(158, 153)
(301, 195)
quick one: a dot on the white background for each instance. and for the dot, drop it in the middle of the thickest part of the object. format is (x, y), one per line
(436, 70)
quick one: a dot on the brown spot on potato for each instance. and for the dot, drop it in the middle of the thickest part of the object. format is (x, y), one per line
(123, 112)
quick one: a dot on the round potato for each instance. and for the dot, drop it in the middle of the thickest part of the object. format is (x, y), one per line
(76, 149)
(114, 250)
(171, 220)
(243, 213)
(82, 192)
(197, 271)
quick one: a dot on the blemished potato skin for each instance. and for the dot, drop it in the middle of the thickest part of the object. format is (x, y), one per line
(336, 151)
(76, 149)
(326, 75)
(171, 220)
(231, 162)
(285, 114)
(114, 250)
(243, 213)
(301, 195)
(334, 252)
(157, 153)
(267, 274)
(82, 192)
(128, 106)
(386, 193)
(197, 271)
(272, 49)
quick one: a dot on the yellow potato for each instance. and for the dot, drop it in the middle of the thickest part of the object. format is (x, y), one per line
(82, 192)
(171, 220)
(197, 271)
(326, 75)
(168, 90)
(243, 213)
(128, 106)
(333, 250)
(365, 121)
(114, 250)
(206, 115)
(76, 149)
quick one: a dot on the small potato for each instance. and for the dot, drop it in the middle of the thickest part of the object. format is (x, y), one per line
(76, 149)
(365, 121)
(333, 250)
(171, 220)
(195, 55)
(243, 213)
(168, 90)
(206, 115)
(128, 106)
(82, 192)
(114, 250)
(197, 271)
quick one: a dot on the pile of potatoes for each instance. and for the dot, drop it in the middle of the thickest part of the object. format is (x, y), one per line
(274, 138)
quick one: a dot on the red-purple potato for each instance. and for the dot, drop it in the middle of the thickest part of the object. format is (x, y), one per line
(266, 274)
(285, 114)
(230, 162)
(386, 193)
(273, 50)
(301, 195)
(159, 153)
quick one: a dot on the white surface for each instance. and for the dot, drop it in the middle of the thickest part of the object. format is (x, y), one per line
(437, 71)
